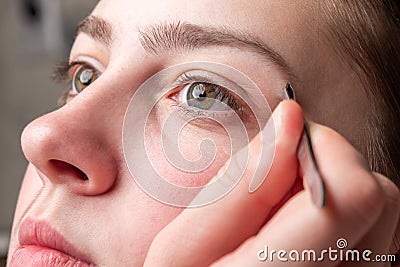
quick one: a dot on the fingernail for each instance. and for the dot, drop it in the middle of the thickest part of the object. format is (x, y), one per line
(267, 135)
(277, 116)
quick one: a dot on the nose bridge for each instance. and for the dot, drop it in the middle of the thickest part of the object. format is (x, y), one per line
(100, 108)
(106, 97)
(79, 144)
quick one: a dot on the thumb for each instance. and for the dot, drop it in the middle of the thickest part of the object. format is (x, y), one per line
(203, 235)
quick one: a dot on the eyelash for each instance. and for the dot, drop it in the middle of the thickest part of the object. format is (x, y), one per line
(222, 95)
(64, 73)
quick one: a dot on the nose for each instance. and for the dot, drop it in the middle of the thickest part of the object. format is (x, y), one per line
(70, 147)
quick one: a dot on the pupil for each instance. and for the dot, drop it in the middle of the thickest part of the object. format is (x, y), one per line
(86, 77)
(199, 92)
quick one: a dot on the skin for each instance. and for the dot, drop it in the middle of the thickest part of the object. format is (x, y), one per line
(86, 133)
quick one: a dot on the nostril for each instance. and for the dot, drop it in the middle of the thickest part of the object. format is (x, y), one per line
(65, 168)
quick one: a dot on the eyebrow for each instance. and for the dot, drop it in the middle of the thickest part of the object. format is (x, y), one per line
(97, 28)
(177, 36)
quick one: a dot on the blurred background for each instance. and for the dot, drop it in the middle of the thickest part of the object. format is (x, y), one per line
(34, 36)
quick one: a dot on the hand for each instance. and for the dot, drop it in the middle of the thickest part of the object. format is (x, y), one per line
(362, 207)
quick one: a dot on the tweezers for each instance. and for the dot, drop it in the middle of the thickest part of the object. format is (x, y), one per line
(307, 161)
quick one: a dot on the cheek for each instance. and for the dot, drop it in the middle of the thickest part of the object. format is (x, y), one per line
(143, 219)
(190, 154)
(31, 186)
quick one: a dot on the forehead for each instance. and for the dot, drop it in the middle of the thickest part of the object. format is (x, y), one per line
(236, 12)
(264, 17)
(286, 26)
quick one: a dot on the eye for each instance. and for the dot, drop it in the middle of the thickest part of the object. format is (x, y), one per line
(207, 96)
(199, 95)
(83, 77)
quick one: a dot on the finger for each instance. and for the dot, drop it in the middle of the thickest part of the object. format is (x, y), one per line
(205, 234)
(379, 238)
(355, 200)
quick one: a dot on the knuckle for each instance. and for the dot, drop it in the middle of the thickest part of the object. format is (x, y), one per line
(391, 193)
(369, 197)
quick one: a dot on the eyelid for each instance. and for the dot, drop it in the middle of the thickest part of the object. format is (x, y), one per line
(64, 72)
(222, 94)
(207, 77)
(75, 66)
(89, 61)
(236, 103)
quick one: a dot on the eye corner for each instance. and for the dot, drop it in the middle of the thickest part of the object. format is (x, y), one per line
(174, 92)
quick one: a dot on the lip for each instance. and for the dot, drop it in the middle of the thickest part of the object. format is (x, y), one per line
(42, 245)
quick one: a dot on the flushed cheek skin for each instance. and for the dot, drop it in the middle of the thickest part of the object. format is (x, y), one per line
(189, 148)
(191, 135)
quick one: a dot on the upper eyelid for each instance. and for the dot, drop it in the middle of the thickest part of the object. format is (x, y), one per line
(62, 72)
(81, 64)
(246, 91)
(200, 75)
(189, 77)
(223, 94)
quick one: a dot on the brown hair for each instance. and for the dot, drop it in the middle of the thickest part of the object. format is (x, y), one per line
(368, 32)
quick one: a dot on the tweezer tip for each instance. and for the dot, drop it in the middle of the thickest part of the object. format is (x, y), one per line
(317, 186)
(290, 92)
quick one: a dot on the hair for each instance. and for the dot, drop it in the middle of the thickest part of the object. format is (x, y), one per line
(368, 32)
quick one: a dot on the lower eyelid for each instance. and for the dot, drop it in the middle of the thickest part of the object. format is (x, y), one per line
(207, 123)
(191, 113)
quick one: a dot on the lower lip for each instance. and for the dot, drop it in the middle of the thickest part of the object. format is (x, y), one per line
(41, 256)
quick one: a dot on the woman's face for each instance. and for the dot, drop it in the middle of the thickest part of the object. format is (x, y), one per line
(78, 185)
